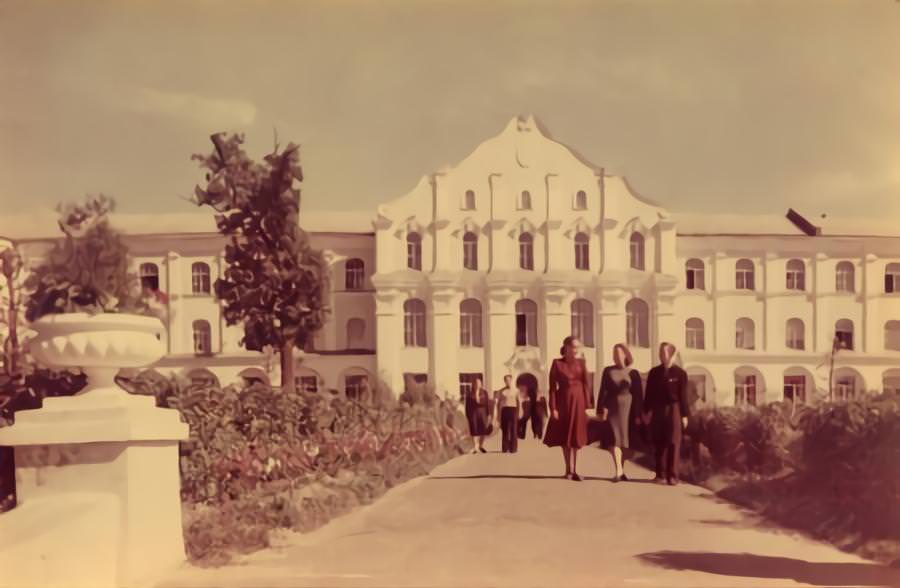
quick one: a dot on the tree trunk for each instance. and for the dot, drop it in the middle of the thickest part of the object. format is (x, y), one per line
(287, 368)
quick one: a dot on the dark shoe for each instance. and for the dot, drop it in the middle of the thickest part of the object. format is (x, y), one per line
(615, 479)
(482, 450)
(623, 478)
(576, 478)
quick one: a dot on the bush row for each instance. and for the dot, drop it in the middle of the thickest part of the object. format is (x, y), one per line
(832, 470)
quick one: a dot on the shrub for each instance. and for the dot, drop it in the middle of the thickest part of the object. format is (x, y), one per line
(259, 458)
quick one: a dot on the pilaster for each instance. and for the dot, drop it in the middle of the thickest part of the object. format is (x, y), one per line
(389, 336)
(444, 348)
(500, 334)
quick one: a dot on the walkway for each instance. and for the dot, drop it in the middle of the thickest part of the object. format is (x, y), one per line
(508, 520)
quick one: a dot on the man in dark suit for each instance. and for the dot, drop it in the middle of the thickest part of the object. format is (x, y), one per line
(666, 408)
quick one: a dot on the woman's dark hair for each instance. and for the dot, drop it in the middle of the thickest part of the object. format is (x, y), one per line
(628, 357)
(566, 343)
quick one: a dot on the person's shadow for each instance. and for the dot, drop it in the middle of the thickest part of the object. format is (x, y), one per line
(748, 565)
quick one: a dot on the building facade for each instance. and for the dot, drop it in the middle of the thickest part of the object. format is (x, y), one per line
(484, 267)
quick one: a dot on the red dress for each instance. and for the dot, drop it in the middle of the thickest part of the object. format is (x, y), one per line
(569, 396)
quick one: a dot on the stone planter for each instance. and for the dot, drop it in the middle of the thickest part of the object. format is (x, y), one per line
(104, 462)
(99, 344)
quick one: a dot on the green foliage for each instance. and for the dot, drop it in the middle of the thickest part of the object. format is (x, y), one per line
(259, 459)
(275, 284)
(832, 469)
(87, 271)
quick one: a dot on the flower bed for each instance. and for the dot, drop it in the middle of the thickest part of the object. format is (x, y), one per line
(259, 460)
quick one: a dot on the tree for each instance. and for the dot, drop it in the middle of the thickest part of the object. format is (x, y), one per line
(87, 270)
(275, 283)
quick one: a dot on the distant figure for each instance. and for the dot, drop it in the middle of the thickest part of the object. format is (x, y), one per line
(666, 407)
(568, 405)
(526, 410)
(507, 402)
(620, 402)
(478, 413)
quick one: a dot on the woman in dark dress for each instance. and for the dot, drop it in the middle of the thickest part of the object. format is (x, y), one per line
(620, 402)
(568, 405)
(478, 412)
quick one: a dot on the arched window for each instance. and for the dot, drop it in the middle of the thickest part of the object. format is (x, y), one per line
(525, 200)
(636, 247)
(743, 275)
(582, 252)
(414, 251)
(694, 274)
(744, 334)
(637, 323)
(892, 336)
(526, 323)
(470, 331)
(149, 273)
(202, 337)
(844, 277)
(795, 334)
(469, 200)
(414, 323)
(199, 278)
(354, 274)
(892, 278)
(583, 321)
(470, 251)
(843, 333)
(580, 200)
(526, 251)
(795, 278)
(356, 333)
(694, 337)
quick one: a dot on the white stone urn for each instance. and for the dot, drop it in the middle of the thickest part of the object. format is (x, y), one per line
(101, 465)
(99, 344)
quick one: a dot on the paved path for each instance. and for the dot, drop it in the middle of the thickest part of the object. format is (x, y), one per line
(510, 520)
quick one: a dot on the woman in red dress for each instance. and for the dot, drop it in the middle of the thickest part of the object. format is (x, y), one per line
(568, 405)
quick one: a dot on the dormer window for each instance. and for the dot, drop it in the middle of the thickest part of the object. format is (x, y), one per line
(525, 200)
(580, 200)
(469, 200)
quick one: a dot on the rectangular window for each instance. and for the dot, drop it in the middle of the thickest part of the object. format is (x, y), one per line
(695, 279)
(795, 389)
(694, 339)
(355, 386)
(844, 389)
(470, 330)
(307, 383)
(521, 330)
(582, 256)
(470, 255)
(845, 339)
(745, 391)
(795, 280)
(467, 382)
(744, 279)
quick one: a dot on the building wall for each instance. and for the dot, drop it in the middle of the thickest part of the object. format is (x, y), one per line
(524, 158)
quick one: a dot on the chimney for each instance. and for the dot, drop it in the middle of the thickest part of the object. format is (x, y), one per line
(803, 224)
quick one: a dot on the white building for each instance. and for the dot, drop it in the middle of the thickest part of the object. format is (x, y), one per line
(483, 268)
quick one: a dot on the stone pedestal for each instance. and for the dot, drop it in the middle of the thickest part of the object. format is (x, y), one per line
(97, 474)
(114, 457)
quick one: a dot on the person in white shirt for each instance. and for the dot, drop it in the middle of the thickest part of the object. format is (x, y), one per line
(506, 400)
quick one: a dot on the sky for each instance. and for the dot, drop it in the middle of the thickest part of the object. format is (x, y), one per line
(723, 106)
